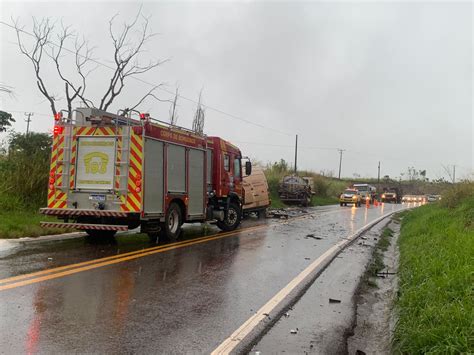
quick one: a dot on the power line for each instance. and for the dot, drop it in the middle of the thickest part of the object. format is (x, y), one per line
(157, 86)
(286, 146)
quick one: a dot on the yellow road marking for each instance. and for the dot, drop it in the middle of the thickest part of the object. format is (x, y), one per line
(121, 256)
(62, 271)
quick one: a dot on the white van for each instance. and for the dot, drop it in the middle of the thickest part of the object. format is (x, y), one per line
(256, 196)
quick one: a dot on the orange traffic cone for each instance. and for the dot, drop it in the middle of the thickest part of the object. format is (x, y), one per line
(367, 203)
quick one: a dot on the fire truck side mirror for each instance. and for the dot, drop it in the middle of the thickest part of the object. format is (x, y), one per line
(248, 168)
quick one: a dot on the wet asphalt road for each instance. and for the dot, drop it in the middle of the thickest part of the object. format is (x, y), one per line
(177, 300)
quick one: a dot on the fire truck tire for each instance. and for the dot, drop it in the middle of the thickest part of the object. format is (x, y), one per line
(173, 221)
(232, 218)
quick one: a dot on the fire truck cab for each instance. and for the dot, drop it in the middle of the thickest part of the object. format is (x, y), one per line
(113, 173)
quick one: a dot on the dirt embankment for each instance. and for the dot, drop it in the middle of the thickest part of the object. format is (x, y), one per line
(375, 319)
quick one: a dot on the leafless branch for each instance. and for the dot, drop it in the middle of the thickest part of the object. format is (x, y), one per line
(147, 95)
(41, 32)
(173, 112)
(7, 89)
(128, 43)
(126, 55)
(199, 116)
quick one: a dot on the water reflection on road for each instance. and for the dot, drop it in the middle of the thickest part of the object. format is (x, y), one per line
(181, 300)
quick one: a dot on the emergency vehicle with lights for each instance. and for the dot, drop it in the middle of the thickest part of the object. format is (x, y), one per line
(350, 196)
(116, 172)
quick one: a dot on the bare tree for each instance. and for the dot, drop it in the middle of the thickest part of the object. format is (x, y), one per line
(128, 41)
(198, 121)
(449, 172)
(173, 112)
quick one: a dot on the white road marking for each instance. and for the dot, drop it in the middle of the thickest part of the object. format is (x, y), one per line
(229, 344)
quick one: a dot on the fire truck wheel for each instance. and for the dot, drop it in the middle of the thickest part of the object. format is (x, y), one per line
(232, 218)
(173, 222)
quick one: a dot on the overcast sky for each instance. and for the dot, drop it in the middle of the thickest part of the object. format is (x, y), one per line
(387, 81)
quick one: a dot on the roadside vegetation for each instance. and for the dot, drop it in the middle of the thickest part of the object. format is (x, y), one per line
(436, 303)
(24, 165)
(377, 264)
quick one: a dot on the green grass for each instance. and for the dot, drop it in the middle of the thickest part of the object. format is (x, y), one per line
(435, 304)
(376, 264)
(25, 224)
(324, 200)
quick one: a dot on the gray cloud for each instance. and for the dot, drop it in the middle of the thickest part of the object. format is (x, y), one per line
(387, 81)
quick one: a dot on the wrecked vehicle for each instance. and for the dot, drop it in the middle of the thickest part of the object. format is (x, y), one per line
(295, 189)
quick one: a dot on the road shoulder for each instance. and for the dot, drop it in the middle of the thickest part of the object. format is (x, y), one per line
(375, 320)
(323, 318)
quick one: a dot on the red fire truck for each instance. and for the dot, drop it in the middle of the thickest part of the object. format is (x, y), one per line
(111, 172)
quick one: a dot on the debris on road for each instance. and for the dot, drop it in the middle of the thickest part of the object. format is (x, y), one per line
(312, 236)
(294, 331)
(333, 300)
(285, 213)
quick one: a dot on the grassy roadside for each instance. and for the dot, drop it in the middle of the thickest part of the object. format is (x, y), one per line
(25, 224)
(435, 304)
(377, 263)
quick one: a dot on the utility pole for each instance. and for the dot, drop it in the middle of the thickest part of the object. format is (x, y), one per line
(378, 176)
(296, 152)
(340, 161)
(454, 174)
(28, 120)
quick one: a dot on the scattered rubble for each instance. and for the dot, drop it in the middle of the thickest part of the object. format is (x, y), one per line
(312, 236)
(285, 213)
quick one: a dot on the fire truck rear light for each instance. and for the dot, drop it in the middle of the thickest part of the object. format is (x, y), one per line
(138, 189)
(51, 180)
(58, 130)
(142, 116)
(51, 174)
(58, 116)
(138, 183)
(51, 187)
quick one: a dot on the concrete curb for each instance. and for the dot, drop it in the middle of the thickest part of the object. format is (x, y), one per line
(44, 238)
(56, 237)
(237, 344)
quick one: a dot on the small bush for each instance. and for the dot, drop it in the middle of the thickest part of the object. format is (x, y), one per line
(453, 196)
(24, 171)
